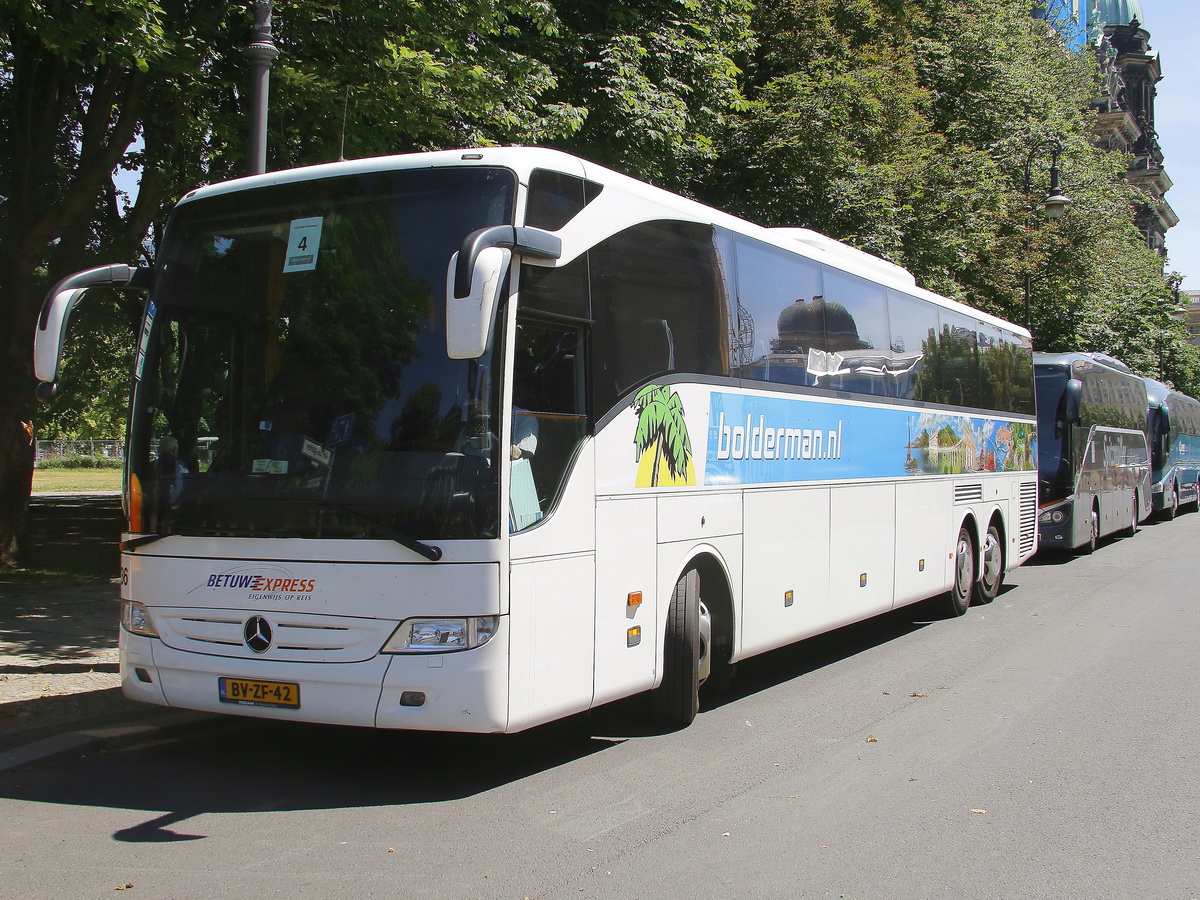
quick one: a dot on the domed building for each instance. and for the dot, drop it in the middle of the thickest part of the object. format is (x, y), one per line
(1111, 12)
(816, 325)
(1131, 69)
(1114, 30)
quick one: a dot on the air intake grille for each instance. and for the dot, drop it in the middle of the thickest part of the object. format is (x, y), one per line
(968, 493)
(295, 637)
(1028, 517)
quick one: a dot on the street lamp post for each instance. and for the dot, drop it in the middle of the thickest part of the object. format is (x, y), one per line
(1055, 205)
(261, 52)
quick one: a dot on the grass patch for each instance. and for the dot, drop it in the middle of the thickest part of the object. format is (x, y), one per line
(74, 480)
(81, 462)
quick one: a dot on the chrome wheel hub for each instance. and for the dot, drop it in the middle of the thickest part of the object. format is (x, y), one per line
(705, 664)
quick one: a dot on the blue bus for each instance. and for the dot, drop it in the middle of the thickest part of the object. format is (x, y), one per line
(1173, 430)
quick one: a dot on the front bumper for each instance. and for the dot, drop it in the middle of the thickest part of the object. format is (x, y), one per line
(464, 691)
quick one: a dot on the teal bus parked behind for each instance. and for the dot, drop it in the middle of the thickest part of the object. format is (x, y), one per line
(1173, 430)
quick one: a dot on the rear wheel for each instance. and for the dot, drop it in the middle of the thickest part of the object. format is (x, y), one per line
(675, 702)
(959, 597)
(991, 575)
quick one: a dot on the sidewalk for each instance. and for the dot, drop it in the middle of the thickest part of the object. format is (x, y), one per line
(59, 684)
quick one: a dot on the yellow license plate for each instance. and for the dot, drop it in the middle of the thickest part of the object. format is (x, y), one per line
(259, 693)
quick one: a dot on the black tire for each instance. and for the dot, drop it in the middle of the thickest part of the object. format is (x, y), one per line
(1089, 546)
(958, 598)
(991, 567)
(1133, 527)
(675, 702)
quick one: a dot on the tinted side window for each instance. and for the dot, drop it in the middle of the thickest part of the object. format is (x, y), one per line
(555, 198)
(1103, 403)
(856, 335)
(561, 291)
(658, 304)
(1005, 370)
(914, 362)
(549, 414)
(958, 345)
(780, 314)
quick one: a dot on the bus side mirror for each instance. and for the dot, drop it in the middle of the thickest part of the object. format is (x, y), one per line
(469, 318)
(56, 312)
(476, 277)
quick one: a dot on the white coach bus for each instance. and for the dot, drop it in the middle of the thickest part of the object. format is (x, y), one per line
(498, 436)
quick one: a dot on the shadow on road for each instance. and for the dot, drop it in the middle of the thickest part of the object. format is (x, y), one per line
(244, 765)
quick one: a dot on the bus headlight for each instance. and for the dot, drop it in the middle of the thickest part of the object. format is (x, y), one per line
(135, 619)
(1053, 516)
(441, 635)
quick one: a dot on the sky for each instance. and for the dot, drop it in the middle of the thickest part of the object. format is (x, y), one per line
(1174, 27)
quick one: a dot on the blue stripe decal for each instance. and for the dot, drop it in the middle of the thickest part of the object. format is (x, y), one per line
(768, 440)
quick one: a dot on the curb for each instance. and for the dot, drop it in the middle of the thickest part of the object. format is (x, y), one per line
(115, 737)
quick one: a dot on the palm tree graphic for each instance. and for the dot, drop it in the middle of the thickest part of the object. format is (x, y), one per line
(661, 425)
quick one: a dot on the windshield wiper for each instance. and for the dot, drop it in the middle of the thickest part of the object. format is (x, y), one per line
(430, 552)
(140, 541)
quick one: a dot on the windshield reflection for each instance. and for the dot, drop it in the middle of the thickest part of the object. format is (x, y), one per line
(292, 378)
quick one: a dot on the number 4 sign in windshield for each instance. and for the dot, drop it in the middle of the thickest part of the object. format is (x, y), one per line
(304, 240)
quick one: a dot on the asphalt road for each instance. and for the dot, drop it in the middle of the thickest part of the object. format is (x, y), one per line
(1045, 746)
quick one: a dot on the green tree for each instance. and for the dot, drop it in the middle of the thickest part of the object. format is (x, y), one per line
(653, 79)
(833, 126)
(87, 89)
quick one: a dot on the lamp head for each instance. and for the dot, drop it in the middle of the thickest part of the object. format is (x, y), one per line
(1056, 204)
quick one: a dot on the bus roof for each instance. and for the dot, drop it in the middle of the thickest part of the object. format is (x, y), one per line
(523, 160)
(1100, 360)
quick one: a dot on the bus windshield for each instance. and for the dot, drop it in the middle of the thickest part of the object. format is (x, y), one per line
(292, 377)
(1057, 480)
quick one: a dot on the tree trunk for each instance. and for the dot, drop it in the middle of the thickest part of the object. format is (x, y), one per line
(16, 413)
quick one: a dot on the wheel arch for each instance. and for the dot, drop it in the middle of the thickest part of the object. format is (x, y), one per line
(997, 518)
(969, 521)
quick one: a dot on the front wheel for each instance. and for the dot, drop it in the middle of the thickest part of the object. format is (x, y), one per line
(675, 702)
(959, 596)
(1170, 503)
(991, 577)
(1093, 540)
(1133, 525)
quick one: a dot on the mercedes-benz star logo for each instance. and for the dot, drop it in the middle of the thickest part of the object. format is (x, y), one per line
(257, 634)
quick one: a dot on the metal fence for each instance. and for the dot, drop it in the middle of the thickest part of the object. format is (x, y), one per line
(103, 449)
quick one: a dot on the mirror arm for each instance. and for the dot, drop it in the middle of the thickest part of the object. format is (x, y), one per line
(525, 241)
(57, 308)
(120, 277)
